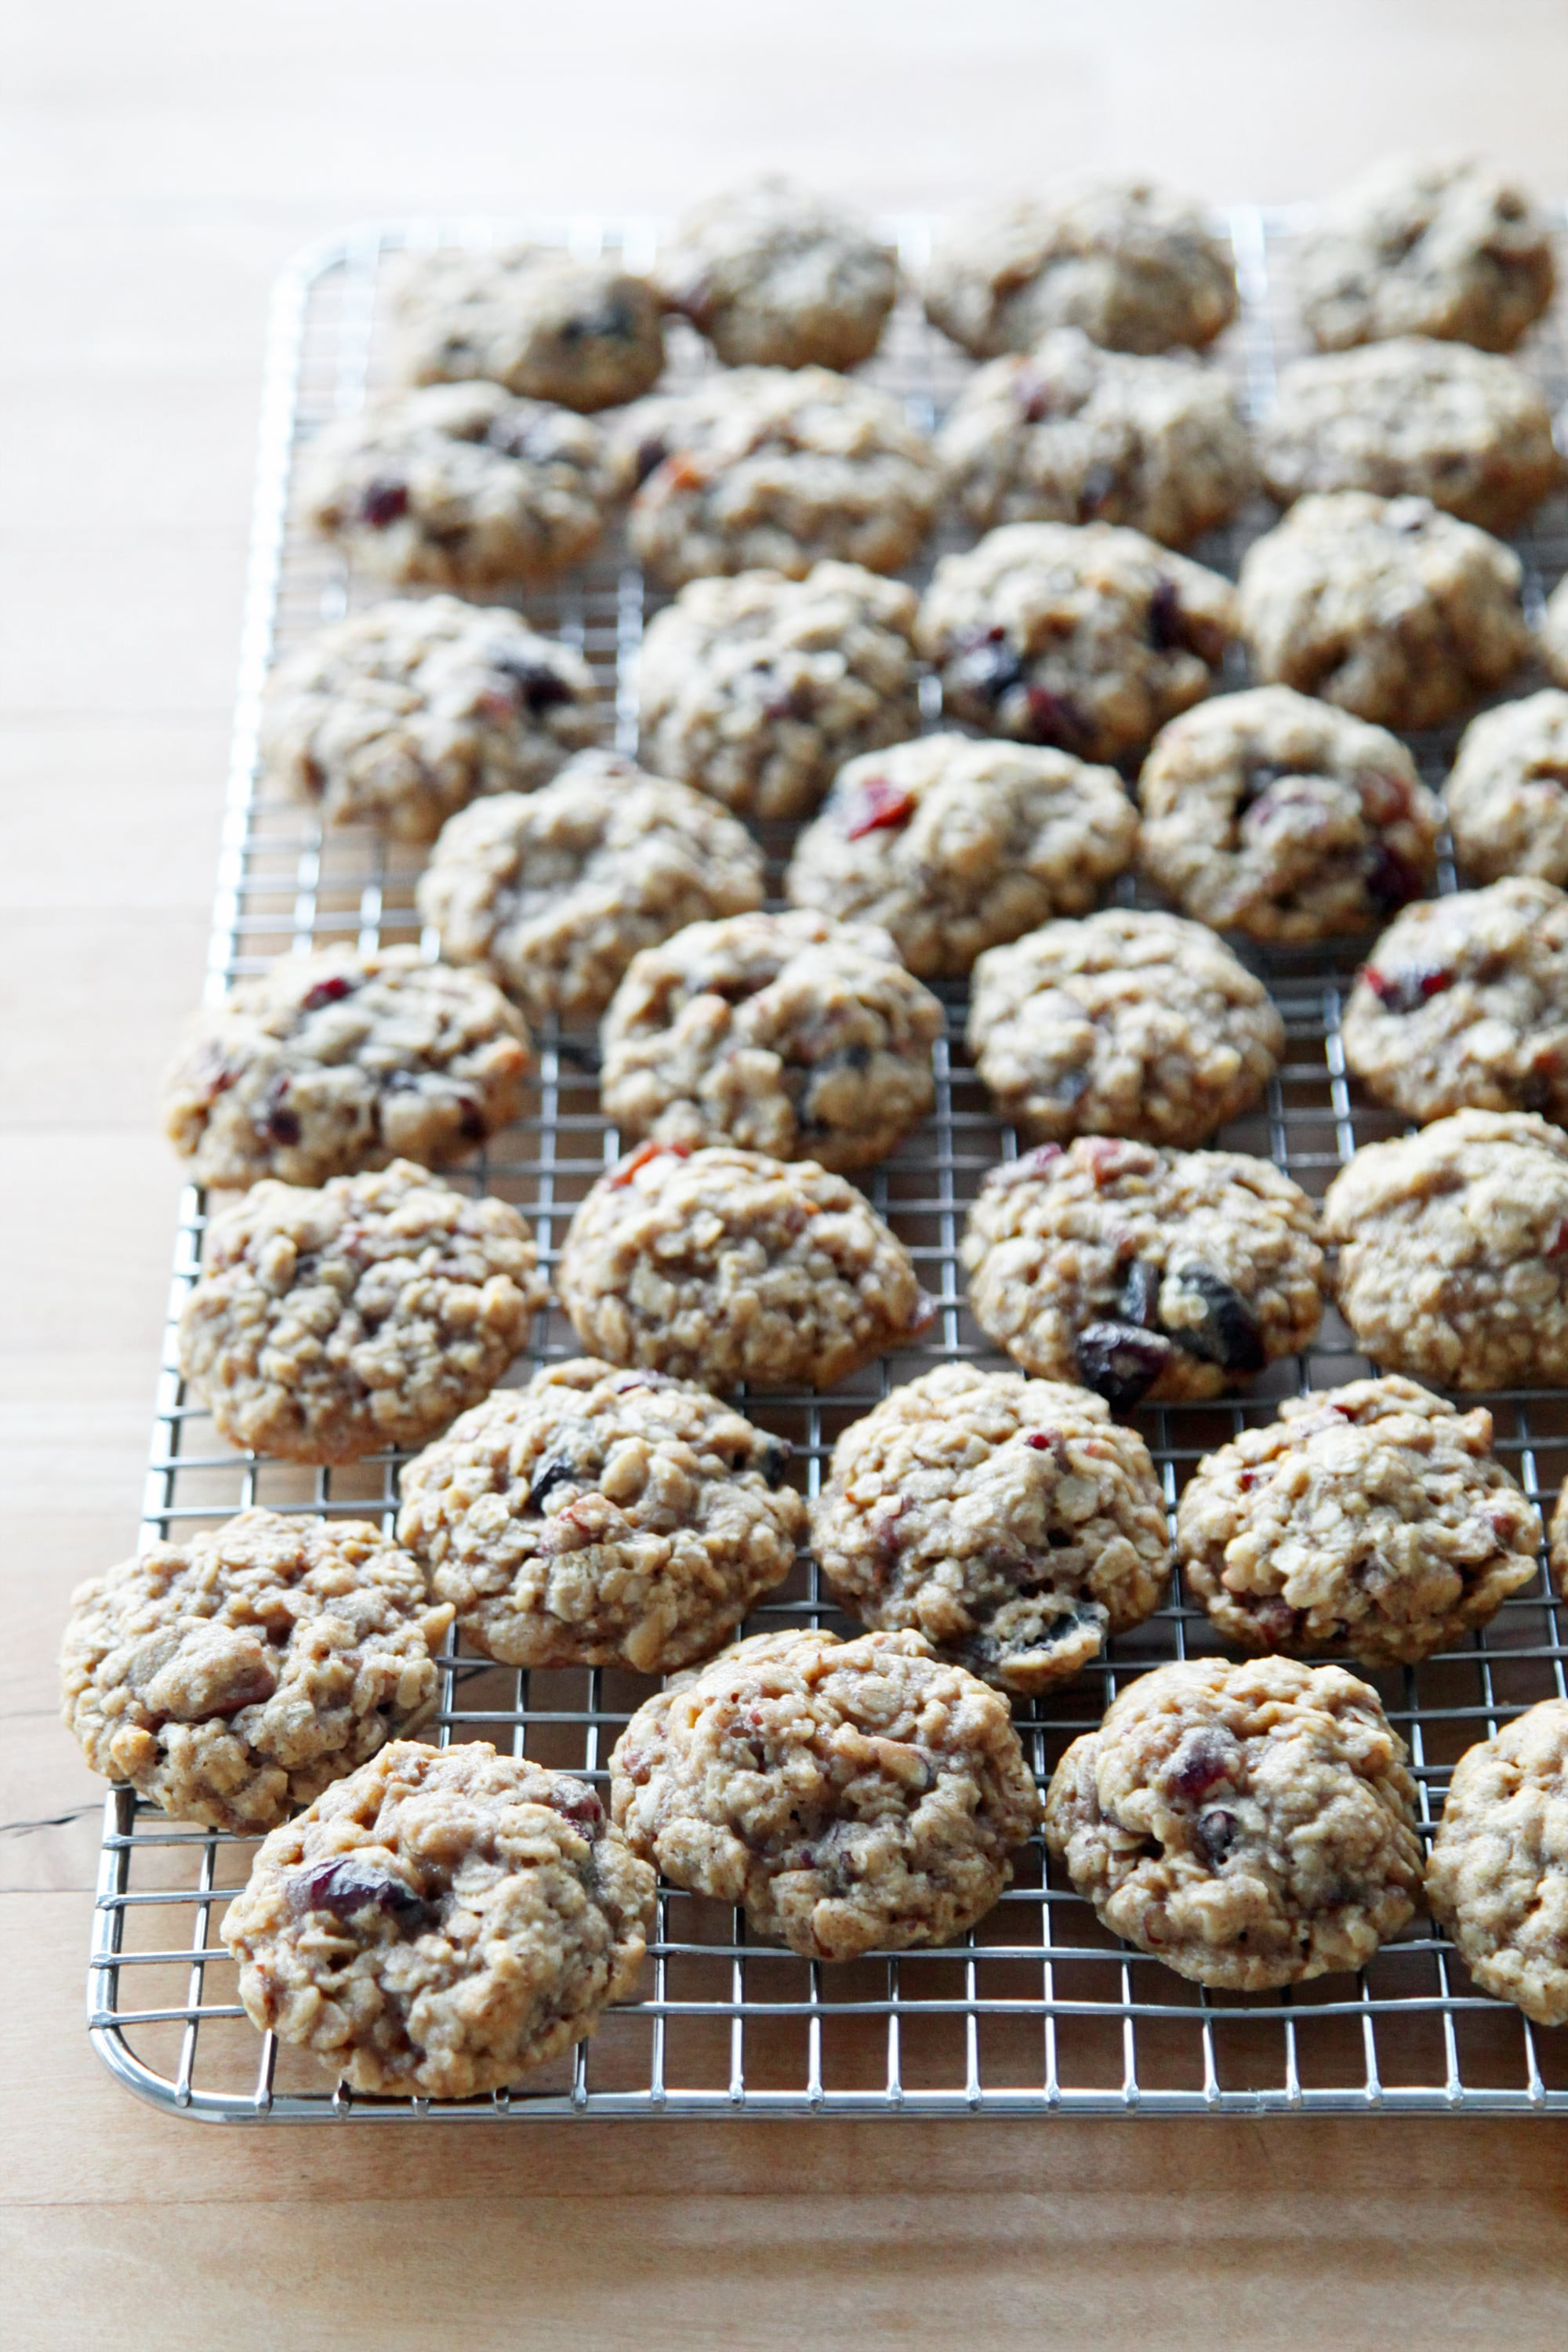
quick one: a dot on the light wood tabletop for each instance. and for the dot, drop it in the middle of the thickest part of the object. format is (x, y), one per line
(157, 165)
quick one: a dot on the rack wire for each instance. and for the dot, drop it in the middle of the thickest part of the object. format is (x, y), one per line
(1038, 2010)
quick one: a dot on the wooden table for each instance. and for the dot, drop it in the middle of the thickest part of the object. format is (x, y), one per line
(156, 165)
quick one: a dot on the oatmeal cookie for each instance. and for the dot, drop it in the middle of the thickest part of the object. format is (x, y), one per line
(326, 1325)
(341, 1060)
(601, 1518)
(853, 1796)
(230, 1675)
(1125, 1023)
(400, 716)
(1497, 1879)
(1368, 1521)
(1009, 1521)
(1453, 1260)
(1465, 1003)
(784, 1034)
(721, 1266)
(1554, 638)
(757, 689)
(1414, 417)
(1249, 1825)
(954, 846)
(1083, 637)
(778, 468)
(1070, 433)
(1275, 814)
(1558, 1557)
(1136, 266)
(1507, 795)
(554, 893)
(1440, 246)
(462, 486)
(532, 318)
(1145, 1275)
(777, 276)
(1393, 610)
(441, 1922)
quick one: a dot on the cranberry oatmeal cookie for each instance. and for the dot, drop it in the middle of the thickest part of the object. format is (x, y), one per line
(853, 1796)
(229, 1675)
(543, 324)
(723, 1265)
(1507, 795)
(1558, 1556)
(776, 469)
(1010, 1521)
(1273, 814)
(1414, 418)
(783, 1032)
(1125, 1023)
(601, 1518)
(1157, 1276)
(462, 486)
(1453, 1260)
(441, 1922)
(1393, 610)
(954, 845)
(1070, 433)
(326, 1325)
(554, 893)
(1465, 1003)
(1440, 245)
(1369, 1521)
(1132, 265)
(777, 276)
(400, 716)
(1250, 1825)
(341, 1060)
(1086, 637)
(1553, 637)
(1497, 1879)
(757, 689)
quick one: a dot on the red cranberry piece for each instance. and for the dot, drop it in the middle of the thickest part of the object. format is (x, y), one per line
(1166, 619)
(349, 1884)
(1406, 991)
(1120, 1362)
(384, 502)
(1558, 1246)
(1052, 718)
(472, 1121)
(879, 807)
(535, 685)
(326, 991)
(1108, 1157)
(1227, 1334)
(1023, 1171)
(1385, 798)
(552, 1470)
(1391, 879)
(1201, 1760)
(1217, 1830)
(1140, 1299)
(628, 1168)
(1044, 1440)
(575, 1802)
(283, 1124)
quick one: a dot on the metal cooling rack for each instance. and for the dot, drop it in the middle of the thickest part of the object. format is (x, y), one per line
(1038, 2010)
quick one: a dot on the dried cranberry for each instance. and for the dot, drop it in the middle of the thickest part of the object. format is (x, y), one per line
(1385, 798)
(628, 1168)
(282, 1124)
(538, 686)
(1044, 1440)
(384, 502)
(1217, 1833)
(1120, 1362)
(1228, 1333)
(552, 1470)
(776, 1460)
(575, 1802)
(1391, 879)
(988, 667)
(1110, 1157)
(471, 1120)
(1166, 619)
(1202, 1759)
(1023, 1171)
(1558, 1246)
(327, 992)
(1140, 1296)
(878, 806)
(1406, 991)
(1054, 719)
(349, 1884)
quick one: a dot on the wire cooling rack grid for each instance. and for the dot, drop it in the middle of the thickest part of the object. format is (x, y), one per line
(1038, 2010)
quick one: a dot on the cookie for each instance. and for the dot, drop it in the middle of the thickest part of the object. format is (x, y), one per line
(1249, 1825)
(1558, 1556)
(543, 324)
(1369, 1521)
(1553, 637)
(952, 846)
(326, 1325)
(1464, 1003)
(756, 689)
(1009, 1521)
(1126, 1024)
(462, 486)
(1414, 417)
(1441, 245)
(783, 1033)
(1086, 637)
(601, 1518)
(554, 893)
(1157, 1276)
(853, 1796)
(1275, 814)
(778, 468)
(1394, 611)
(1497, 1879)
(776, 277)
(341, 1060)
(231, 1674)
(1132, 265)
(1070, 433)
(1507, 794)
(441, 1922)
(1453, 1262)
(721, 1266)
(400, 716)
